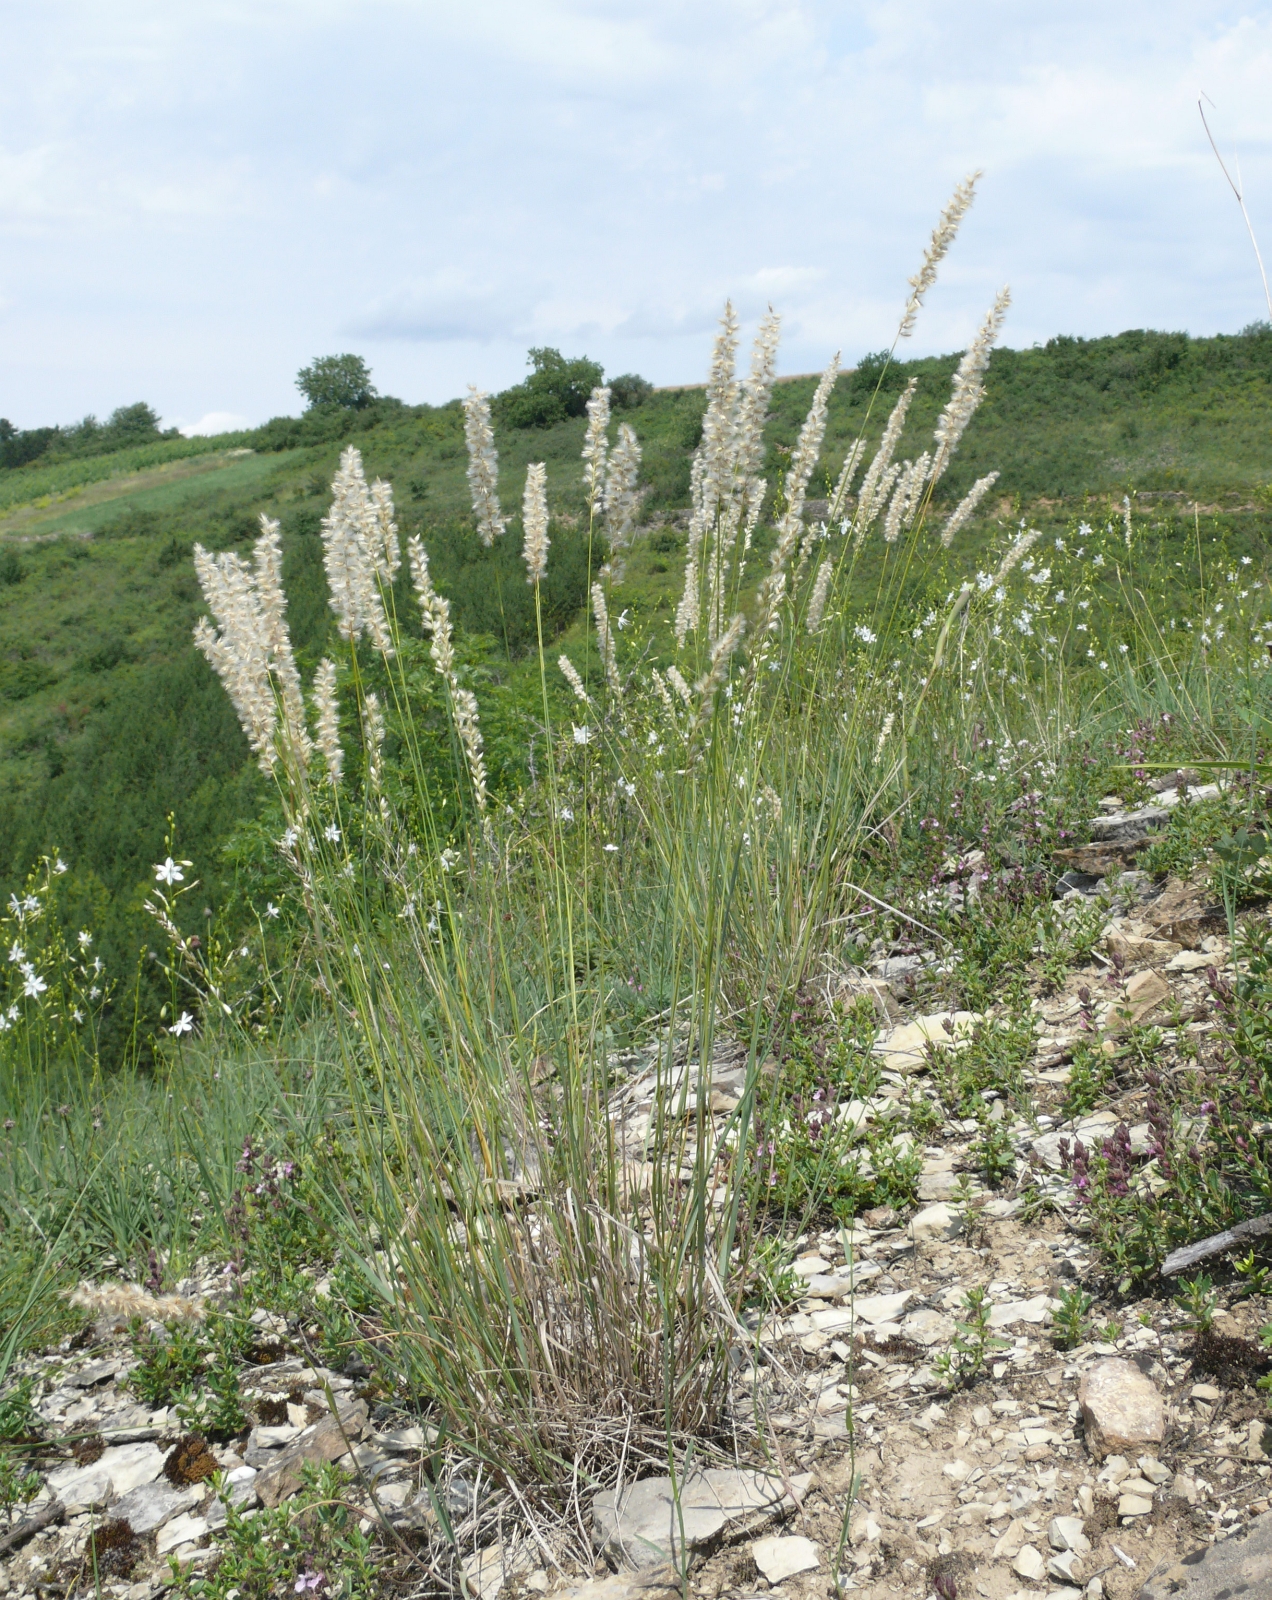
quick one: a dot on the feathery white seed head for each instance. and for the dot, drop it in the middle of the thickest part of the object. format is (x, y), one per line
(968, 388)
(621, 499)
(534, 520)
(677, 681)
(755, 396)
(483, 466)
(966, 506)
(821, 590)
(386, 551)
(943, 236)
(595, 447)
(468, 726)
(126, 1300)
(605, 639)
(358, 549)
(721, 654)
(803, 459)
(1020, 546)
(843, 485)
(327, 707)
(571, 675)
(880, 473)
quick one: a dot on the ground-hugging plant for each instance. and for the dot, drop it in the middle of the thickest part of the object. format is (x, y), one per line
(312, 1544)
(1069, 1324)
(972, 1345)
(1208, 1163)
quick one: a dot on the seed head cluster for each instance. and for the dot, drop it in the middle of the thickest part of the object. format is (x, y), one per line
(360, 552)
(483, 466)
(534, 520)
(250, 649)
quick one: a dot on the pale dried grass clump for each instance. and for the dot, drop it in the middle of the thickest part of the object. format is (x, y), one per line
(126, 1300)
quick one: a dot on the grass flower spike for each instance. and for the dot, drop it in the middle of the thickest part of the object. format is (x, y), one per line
(967, 506)
(359, 550)
(621, 498)
(943, 236)
(534, 517)
(483, 466)
(571, 675)
(968, 388)
(250, 649)
(817, 600)
(327, 708)
(595, 448)
(605, 639)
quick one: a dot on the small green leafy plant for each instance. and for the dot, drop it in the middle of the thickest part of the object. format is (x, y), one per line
(964, 1361)
(1069, 1327)
(1258, 1278)
(310, 1546)
(994, 1154)
(1199, 1303)
(169, 1363)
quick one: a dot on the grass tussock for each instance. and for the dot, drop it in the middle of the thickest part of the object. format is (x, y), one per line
(460, 1051)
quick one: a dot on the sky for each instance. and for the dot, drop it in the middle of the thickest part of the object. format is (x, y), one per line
(199, 196)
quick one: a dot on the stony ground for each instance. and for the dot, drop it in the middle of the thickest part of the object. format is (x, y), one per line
(1090, 1470)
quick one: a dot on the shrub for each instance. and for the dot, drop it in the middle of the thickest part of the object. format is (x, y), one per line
(629, 390)
(557, 388)
(341, 382)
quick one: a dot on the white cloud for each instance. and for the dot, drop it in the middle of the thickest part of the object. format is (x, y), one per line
(212, 422)
(195, 201)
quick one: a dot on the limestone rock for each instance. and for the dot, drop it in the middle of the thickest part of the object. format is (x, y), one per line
(1135, 944)
(1122, 1411)
(653, 1583)
(184, 1529)
(326, 1440)
(1067, 1533)
(939, 1221)
(1035, 1310)
(1128, 827)
(1145, 993)
(1239, 1565)
(645, 1527)
(116, 1472)
(784, 1555)
(1185, 912)
(1091, 1130)
(834, 1285)
(905, 1049)
(1029, 1563)
(152, 1504)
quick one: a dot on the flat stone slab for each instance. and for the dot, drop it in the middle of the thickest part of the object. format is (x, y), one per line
(653, 1583)
(647, 1529)
(1126, 827)
(150, 1506)
(327, 1440)
(1237, 1568)
(116, 1472)
(782, 1557)
(905, 1049)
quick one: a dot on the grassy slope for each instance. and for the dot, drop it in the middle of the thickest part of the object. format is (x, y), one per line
(108, 719)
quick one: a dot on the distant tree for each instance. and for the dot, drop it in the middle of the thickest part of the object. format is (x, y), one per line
(18, 446)
(133, 424)
(343, 381)
(555, 389)
(629, 389)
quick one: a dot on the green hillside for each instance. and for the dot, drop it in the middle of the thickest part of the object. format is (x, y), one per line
(109, 720)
